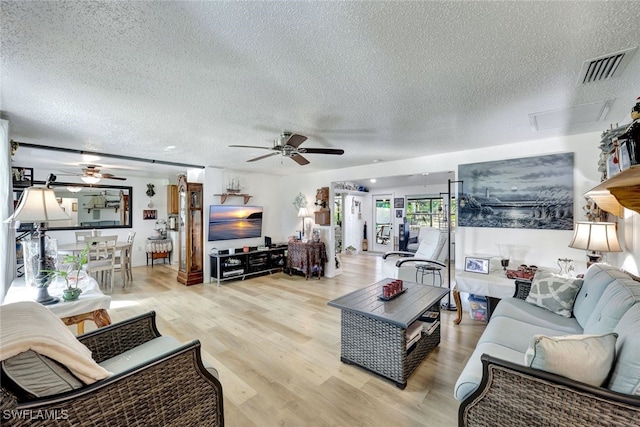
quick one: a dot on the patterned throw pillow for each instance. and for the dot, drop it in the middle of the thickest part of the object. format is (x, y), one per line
(554, 292)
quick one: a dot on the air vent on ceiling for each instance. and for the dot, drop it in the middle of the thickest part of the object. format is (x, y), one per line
(605, 67)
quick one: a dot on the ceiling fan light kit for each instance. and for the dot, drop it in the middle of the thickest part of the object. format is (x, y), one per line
(91, 174)
(288, 145)
(90, 179)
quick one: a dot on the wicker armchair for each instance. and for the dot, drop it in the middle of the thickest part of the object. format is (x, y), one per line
(516, 395)
(172, 389)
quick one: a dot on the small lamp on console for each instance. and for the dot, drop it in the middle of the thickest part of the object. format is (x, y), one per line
(303, 213)
(39, 205)
(595, 237)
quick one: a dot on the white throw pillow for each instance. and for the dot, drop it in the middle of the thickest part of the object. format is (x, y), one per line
(585, 358)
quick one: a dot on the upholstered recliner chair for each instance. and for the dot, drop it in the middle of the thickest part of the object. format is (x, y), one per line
(430, 256)
(123, 374)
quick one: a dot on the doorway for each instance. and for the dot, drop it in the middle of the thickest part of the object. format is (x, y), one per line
(383, 227)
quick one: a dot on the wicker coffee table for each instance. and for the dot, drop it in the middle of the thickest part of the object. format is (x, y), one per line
(373, 331)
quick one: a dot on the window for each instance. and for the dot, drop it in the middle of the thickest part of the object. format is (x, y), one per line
(425, 211)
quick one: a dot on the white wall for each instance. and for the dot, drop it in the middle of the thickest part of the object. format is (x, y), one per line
(265, 191)
(546, 246)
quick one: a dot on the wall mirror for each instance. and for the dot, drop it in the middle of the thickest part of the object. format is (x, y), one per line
(90, 206)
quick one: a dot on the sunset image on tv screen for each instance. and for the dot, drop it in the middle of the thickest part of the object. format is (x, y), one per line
(234, 222)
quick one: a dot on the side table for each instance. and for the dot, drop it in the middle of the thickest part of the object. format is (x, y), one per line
(159, 249)
(91, 305)
(307, 257)
(494, 286)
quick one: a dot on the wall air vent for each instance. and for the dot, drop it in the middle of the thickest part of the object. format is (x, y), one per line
(604, 67)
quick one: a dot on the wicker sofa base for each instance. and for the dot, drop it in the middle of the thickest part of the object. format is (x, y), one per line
(173, 389)
(380, 347)
(520, 396)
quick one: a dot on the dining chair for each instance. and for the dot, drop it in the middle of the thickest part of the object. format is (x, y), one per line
(102, 257)
(82, 236)
(123, 260)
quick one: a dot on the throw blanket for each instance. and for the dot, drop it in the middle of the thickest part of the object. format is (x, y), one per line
(31, 326)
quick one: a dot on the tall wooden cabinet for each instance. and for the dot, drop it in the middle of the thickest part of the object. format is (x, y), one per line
(190, 232)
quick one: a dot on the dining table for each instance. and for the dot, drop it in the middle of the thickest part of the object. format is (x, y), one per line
(77, 247)
(91, 305)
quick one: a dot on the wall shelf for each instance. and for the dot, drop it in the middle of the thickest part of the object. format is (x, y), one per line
(224, 196)
(622, 190)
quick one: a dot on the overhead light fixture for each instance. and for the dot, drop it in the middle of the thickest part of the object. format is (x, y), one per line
(571, 116)
(73, 189)
(373, 180)
(90, 179)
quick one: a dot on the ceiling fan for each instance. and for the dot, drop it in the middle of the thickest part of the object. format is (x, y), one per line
(91, 174)
(288, 145)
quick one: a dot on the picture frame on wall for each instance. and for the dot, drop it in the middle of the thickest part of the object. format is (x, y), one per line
(399, 213)
(398, 202)
(22, 177)
(476, 265)
(149, 214)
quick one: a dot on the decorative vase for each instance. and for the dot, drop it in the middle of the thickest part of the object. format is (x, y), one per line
(71, 294)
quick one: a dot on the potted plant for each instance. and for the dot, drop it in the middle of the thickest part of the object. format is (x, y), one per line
(350, 250)
(71, 291)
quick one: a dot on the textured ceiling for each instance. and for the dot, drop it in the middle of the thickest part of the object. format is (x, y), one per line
(382, 80)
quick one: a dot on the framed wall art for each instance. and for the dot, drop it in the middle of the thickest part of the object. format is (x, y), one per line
(149, 214)
(22, 177)
(529, 192)
(398, 202)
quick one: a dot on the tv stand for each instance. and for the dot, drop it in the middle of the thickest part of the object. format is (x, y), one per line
(239, 265)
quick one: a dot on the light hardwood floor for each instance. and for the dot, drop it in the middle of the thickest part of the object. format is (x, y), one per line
(276, 345)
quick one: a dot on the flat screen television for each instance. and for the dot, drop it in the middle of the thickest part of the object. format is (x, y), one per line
(234, 222)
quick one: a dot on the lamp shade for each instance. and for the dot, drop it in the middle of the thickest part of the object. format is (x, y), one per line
(595, 236)
(38, 204)
(90, 179)
(303, 213)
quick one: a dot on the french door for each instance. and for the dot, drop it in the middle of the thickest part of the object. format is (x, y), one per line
(383, 230)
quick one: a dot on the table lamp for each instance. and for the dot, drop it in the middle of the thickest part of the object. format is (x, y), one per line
(39, 205)
(595, 237)
(303, 213)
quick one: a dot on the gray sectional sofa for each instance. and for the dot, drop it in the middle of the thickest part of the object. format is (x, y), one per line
(499, 387)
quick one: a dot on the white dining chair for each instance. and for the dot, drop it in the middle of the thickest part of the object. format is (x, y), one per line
(82, 236)
(102, 251)
(123, 260)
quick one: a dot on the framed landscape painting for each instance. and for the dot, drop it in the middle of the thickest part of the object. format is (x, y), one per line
(530, 192)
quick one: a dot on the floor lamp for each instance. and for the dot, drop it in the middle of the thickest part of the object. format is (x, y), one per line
(39, 205)
(449, 305)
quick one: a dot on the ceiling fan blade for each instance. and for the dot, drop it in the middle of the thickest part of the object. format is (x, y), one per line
(324, 151)
(250, 146)
(300, 160)
(295, 140)
(263, 157)
(109, 176)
